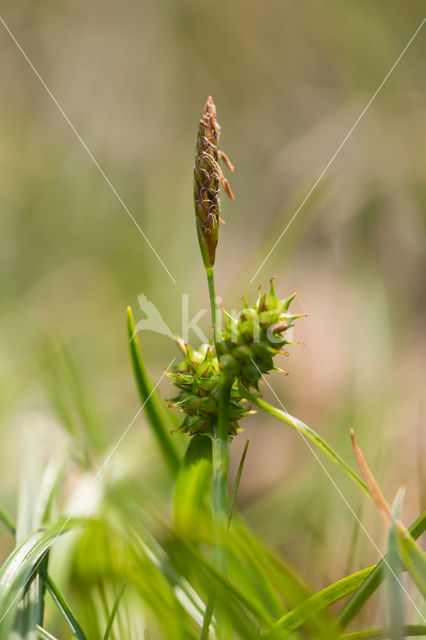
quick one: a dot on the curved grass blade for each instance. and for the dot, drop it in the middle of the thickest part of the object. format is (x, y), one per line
(48, 486)
(44, 635)
(230, 588)
(30, 610)
(405, 547)
(412, 557)
(265, 577)
(374, 580)
(18, 568)
(191, 487)
(394, 584)
(160, 419)
(7, 521)
(113, 614)
(183, 564)
(409, 630)
(237, 483)
(306, 431)
(308, 609)
(371, 576)
(63, 606)
(207, 574)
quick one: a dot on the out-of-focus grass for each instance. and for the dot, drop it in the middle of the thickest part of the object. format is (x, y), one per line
(289, 82)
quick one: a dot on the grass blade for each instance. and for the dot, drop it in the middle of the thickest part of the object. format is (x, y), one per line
(410, 630)
(372, 576)
(306, 431)
(270, 579)
(191, 487)
(63, 606)
(113, 614)
(394, 570)
(237, 482)
(319, 601)
(374, 580)
(412, 557)
(18, 568)
(160, 419)
(44, 635)
(7, 521)
(207, 618)
(30, 609)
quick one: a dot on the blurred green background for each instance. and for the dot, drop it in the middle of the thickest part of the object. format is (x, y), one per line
(289, 80)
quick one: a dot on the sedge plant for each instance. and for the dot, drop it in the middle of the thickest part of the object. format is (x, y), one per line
(130, 570)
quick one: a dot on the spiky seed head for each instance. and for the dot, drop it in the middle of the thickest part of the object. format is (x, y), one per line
(199, 379)
(249, 342)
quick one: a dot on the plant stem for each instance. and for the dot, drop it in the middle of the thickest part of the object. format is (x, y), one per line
(212, 296)
(207, 618)
(220, 469)
(220, 490)
(220, 462)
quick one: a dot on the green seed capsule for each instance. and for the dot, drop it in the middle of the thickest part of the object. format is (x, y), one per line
(228, 364)
(248, 344)
(199, 379)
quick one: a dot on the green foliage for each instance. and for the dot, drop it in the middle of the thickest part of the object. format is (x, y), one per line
(409, 631)
(16, 574)
(161, 421)
(191, 488)
(373, 581)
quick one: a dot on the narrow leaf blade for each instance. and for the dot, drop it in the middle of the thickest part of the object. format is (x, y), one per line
(160, 419)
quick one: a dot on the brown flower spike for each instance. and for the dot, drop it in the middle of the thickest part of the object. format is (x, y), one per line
(207, 174)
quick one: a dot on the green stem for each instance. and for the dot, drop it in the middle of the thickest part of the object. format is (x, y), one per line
(220, 474)
(220, 461)
(212, 296)
(207, 618)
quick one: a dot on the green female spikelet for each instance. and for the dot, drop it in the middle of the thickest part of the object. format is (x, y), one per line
(199, 379)
(207, 175)
(248, 344)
